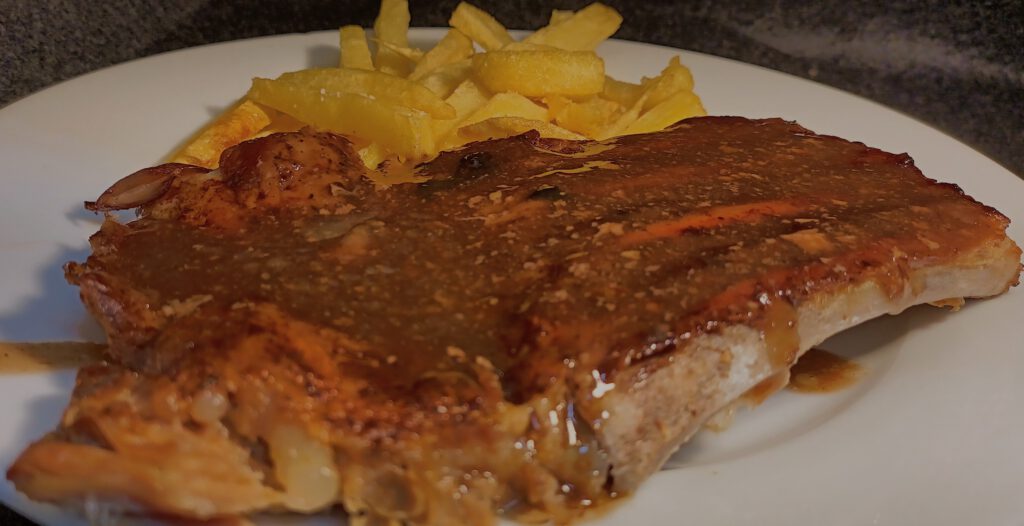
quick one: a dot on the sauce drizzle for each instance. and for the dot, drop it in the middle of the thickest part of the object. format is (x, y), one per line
(819, 371)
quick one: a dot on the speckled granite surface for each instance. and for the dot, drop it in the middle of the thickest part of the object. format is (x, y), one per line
(957, 65)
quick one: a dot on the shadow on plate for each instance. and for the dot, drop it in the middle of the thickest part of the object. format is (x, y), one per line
(322, 56)
(55, 309)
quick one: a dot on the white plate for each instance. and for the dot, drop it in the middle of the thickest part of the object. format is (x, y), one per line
(933, 435)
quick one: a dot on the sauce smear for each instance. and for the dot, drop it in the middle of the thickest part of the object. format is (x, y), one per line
(21, 357)
(819, 371)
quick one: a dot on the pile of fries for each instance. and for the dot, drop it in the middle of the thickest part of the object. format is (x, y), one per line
(402, 105)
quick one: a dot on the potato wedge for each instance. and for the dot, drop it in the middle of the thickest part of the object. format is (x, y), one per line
(392, 29)
(681, 105)
(479, 26)
(674, 78)
(404, 131)
(582, 31)
(355, 52)
(536, 73)
(443, 80)
(587, 117)
(387, 88)
(500, 127)
(453, 47)
(239, 123)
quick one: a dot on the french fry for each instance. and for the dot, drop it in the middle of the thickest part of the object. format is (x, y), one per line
(500, 127)
(453, 47)
(582, 31)
(239, 123)
(559, 15)
(500, 105)
(681, 105)
(624, 120)
(443, 80)
(387, 88)
(466, 99)
(404, 131)
(536, 73)
(479, 26)
(673, 79)
(624, 93)
(587, 117)
(391, 29)
(372, 154)
(355, 52)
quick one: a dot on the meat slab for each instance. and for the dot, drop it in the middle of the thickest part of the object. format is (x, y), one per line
(527, 332)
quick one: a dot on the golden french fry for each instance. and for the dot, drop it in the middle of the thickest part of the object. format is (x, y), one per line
(372, 154)
(500, 105)
(443, 80)
(279, 122)
(454, 47)
(500, 127)
(479, 26)
(239, 123)
(559, 15)
(588, 116)
(584, 30)
(624, 93)
(681, 105)
(355, 52)
(536, 73)
(387, 88)
(673, 79)
(624, 120)
(404, 131)
(410, 54)
(392, 30)
(466, 99)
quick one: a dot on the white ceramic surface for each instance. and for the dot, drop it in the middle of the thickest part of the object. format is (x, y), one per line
(933, 435)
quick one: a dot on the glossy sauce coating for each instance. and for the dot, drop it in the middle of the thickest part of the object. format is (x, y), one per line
(477, 320)
(534, 258)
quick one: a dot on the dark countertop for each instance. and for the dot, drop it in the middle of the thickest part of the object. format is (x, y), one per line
(956, 65)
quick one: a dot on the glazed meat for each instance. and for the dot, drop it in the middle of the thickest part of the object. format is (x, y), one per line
(527, 332)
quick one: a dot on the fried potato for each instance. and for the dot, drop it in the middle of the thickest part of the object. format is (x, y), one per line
(479, 26)
(404, 131)
(443, 80)
(355, 52)
(372, 154)
(624, 120)
(500, 127)
(559, 15)
(453, 47)
(673, 79)
(624, 93)
(587, 117)
(384, 87)
(391, 29)
(679, 106)
(466, 99)
(499, 105)
(536, 73)
(582, 31)
(239, 123)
